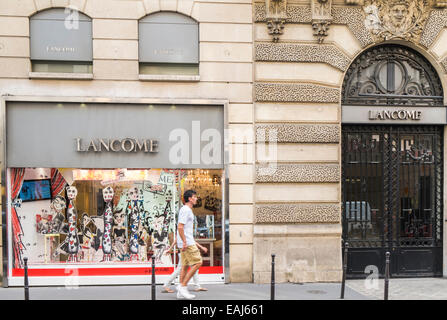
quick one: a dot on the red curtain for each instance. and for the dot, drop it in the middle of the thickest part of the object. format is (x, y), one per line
(58, 182)
(17, 177)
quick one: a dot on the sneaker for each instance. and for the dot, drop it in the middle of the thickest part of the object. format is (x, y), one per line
(183, 292)
(179, 295)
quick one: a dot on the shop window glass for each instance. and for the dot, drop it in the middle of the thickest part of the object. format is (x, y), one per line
(61, 41)
(110, 216)
(168, 44)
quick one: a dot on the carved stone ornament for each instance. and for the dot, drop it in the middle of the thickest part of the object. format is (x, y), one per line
(396, 19)
(321, 18)
(355, 2)
(440, 4)
(276, 15)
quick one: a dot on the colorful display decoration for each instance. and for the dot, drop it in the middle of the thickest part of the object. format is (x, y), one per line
(127, 215)
(108, 220)
(72, 217)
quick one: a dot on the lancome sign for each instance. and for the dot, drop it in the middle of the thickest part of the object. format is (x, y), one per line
(117, 145)
(394, 115)
(114, 135)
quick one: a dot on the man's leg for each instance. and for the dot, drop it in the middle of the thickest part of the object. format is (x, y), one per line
(172, 277)
(190, 273)
(183, 274)
(182, 289)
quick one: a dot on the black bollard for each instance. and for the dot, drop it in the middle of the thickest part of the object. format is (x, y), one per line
(272, 285)
(26, 284)
(153, 279)
(345, 269)
(387, 275)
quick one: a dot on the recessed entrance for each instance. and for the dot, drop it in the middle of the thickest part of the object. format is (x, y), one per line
(392, 198)
(392, 166)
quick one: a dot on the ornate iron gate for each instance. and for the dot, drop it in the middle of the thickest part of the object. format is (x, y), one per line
(392, 187)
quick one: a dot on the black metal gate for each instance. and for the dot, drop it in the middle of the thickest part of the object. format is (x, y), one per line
(392, 187)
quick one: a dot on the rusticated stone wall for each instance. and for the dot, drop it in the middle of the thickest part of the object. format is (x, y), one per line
(297, 92)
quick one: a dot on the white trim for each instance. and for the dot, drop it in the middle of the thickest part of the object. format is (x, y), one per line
(115, 100)
(96, 265)
(9, 224)
(105, 280)
(61, 75)
(163, 77)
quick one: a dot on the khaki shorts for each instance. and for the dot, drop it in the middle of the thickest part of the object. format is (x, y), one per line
(191, 256)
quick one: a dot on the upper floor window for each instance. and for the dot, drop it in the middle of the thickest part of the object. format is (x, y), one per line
(168, 44)
(61, 41)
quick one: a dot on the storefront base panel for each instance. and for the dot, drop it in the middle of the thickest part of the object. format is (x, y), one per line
(73, 276)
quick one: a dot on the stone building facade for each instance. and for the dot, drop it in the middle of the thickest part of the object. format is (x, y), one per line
(303, 50)
(279, 66)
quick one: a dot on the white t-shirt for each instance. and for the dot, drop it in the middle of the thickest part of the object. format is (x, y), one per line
(186, 217)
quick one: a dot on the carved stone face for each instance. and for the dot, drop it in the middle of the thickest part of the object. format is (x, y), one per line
(133, 193)
(72, 192)
(398, 14)
(107, 194)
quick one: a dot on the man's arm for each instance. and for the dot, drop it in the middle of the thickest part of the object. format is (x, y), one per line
(181, 232)
(204, 249)
(171, 247)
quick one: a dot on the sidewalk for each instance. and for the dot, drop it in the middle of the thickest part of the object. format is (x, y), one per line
(236, 291)
(403, 289)
(399, 289)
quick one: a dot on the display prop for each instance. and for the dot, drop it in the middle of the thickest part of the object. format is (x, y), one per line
(34, 190)
(72, 216)
(204, 227)
(108, 220)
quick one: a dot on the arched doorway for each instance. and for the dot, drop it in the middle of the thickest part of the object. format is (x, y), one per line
(392, 163)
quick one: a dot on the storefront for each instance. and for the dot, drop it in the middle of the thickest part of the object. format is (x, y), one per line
(93, 188)
(393, 164)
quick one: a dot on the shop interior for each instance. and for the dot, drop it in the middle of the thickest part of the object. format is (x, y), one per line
(96, 216)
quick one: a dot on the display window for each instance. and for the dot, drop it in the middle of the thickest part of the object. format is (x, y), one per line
(96, 217)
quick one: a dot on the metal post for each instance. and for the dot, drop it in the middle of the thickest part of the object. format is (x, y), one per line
(272, 286)
(387, 275)
(345, 268)
(26, 284)
(153, 279)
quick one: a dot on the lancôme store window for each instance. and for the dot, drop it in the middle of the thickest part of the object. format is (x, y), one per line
(168, 44)
(95, 201)
(61, 42)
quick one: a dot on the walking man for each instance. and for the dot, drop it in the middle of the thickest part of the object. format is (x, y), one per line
(195, 277)
(190, 254)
